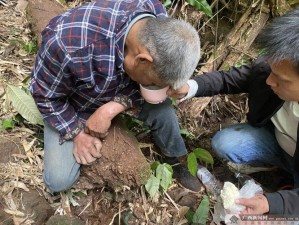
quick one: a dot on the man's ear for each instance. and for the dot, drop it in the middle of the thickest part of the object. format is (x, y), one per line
(143, 58)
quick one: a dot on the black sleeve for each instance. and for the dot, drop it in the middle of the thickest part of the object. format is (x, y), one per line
(233, 81)
(284, 202)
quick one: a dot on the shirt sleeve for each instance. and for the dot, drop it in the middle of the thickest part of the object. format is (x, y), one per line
(50, 85)
(233, 81)
(130, 96)
(284, 202)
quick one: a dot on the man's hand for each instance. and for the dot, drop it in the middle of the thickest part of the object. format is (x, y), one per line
(86, 148)
(255, 205)
(179, 93)
(99, 122)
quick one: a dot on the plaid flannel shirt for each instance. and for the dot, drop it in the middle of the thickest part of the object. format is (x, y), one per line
(79, 66)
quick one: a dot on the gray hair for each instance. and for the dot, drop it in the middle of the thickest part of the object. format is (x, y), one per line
(280, 39)
(175, 47)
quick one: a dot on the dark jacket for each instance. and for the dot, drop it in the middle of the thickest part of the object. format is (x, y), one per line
(263, 104)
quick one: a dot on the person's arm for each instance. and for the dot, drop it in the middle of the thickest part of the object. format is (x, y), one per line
(284, 202)
(99, 122)
(280, 203)
(129, 95)
(52, 81)
(233, 81)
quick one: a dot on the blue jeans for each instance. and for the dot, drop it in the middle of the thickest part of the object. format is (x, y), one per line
(245, 144)
(61, 169)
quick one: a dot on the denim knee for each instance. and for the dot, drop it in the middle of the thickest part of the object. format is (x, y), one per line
(159, 112)
(221, 146)
(58, 181)
(243, 143)
(164, 126)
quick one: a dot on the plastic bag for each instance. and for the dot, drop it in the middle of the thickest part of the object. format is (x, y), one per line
(249, 190)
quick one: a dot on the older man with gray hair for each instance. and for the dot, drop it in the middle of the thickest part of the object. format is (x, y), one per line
(88, 70)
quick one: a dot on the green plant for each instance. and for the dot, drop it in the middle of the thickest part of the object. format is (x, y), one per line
(167, 3)
(7, 123)
(73, 196)
(201, 214)
(134, 125)
(187, 133)
(201, 5)
(198, 154)
(29, 47)
(24, 104)
(242, 62)
(161, 178)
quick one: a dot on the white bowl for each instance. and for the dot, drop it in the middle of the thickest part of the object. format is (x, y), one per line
(154, 94)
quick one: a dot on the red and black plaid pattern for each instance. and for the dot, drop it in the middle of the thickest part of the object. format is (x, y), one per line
(79, 66)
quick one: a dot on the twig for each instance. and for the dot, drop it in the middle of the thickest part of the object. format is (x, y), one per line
(3, 2)
(144, 206)
(119, 213)
(174, 9)
(238, 50)
(213, 17)
(89, 203)
(171, 200)
(111, 223)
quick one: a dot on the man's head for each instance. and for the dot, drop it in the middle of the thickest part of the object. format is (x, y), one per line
(166, 52)
(280, 39)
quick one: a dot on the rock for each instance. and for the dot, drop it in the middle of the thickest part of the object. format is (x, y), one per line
(30, 205)
(36, 206)
(5, 219)
(122, 162)
(64, 220)
(40, 12)
(10, 146)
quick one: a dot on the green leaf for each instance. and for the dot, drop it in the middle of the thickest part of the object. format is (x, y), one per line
(192, 163)
(189, 215)
(7, 123)
(187, 133)
(152, 185)
(80, 193)
(128, 215)
(164, 174)
(201, 5)
(202, 212)
(167, 3)
(204, 155)
(154, 165)
(24, 104)
(71, 199)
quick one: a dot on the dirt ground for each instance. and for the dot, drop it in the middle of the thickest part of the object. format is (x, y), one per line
(99, 199)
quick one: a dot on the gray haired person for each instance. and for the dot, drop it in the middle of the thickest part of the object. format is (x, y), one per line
(88, 70)
(270, 138)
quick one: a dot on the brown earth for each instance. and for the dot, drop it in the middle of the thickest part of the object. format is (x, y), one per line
(121, 164)
(39, 14)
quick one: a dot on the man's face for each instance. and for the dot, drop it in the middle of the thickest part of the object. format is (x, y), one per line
(141, 72)
(284, 80)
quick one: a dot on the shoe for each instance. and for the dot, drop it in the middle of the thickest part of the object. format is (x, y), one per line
(182, 174)
(184, 177)
(247, 169)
